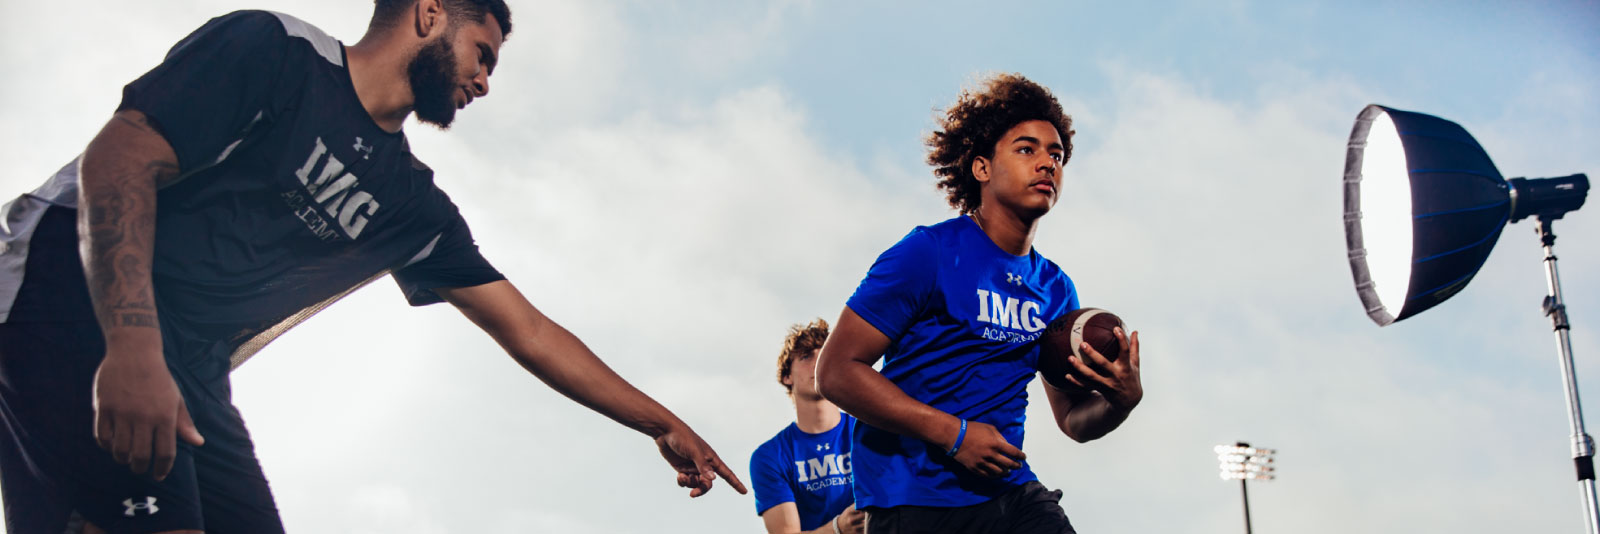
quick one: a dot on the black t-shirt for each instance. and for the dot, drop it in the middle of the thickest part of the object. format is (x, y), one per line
(290, 195)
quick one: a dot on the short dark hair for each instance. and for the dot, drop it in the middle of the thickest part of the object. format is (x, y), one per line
(386, 12)
(974, 124)
(803, 338)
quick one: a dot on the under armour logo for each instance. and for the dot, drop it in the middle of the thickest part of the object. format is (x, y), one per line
(363, 148)
(1013, 279)
(824, 446)
(149, 506)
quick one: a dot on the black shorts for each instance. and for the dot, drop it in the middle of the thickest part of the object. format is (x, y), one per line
(53, 472)
(1026, 509)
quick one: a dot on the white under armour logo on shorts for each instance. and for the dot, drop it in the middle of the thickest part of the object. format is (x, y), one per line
(149, 506)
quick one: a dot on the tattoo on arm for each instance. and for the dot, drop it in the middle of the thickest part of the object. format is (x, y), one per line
(147, 320)
(121, 171)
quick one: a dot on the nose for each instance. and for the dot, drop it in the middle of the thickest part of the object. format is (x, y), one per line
(1048, 165)
(480, 83)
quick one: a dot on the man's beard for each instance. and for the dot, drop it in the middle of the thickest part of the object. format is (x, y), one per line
(432, 75)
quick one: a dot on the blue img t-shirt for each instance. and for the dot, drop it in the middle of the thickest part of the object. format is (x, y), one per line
(811, 470)
(963, 318)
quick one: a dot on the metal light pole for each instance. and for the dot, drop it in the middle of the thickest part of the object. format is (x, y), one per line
(1244, 463)
(1582, 444)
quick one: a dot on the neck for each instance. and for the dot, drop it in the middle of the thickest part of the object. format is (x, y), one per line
(815, 416)
(1007, 230)
(378, 72)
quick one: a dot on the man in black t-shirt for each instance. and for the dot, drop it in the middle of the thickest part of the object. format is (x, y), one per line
(284, 182)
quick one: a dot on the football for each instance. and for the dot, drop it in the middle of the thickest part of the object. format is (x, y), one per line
(1062, 336)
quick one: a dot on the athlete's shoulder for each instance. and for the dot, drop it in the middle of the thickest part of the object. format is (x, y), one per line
(953, 232)
(325, 45)
(932, 236)
(773, 447)
(948, 225)
(1050, 274)
(271, 29)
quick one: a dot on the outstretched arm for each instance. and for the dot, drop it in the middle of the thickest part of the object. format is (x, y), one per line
(1104, 393)
(845, 376)
(563, 362)
(138, 411)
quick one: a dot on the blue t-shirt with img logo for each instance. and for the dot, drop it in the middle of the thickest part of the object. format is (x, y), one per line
(811, 470)
(963, 318)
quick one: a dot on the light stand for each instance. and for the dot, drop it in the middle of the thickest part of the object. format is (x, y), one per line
(1242, 462)
(1424, 205)
(1582, 444)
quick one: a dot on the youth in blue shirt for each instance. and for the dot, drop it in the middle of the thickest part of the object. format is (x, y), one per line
(955, 310)
(802, 476)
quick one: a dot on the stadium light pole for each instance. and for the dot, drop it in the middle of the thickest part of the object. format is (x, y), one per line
(1423, 205)
(1244, 463)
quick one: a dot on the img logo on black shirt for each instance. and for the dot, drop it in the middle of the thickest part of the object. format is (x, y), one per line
(331, 194)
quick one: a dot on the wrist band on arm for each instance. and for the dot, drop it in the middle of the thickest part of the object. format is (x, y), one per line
(959, 438)
(836, 525)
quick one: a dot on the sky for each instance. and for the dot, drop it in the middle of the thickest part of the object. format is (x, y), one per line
(677, 182)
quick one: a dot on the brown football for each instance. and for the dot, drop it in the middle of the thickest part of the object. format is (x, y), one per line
(1061, 339)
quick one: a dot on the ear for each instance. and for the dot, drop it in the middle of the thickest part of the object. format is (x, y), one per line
(430, 17)
(789, 380)
(980, 169)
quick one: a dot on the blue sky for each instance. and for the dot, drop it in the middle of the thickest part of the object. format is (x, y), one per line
(677, 182)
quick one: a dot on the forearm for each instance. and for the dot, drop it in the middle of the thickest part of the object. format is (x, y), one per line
(866, 394)
(118, 178)
(563, 362)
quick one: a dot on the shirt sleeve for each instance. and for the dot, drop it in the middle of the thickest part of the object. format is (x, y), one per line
(899, 284)
(451, 259)
(769, 478)
(213, 85)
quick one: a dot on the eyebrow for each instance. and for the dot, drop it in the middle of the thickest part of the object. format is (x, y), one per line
(489, 56)
(1035, 140)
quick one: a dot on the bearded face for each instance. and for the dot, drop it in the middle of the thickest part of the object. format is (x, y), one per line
(432, 74)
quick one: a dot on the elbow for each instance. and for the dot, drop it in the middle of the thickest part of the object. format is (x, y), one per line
(1080, 437)
(1080, 432)
(829, 384)
(828, 387)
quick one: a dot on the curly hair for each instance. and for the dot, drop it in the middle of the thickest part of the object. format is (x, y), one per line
(971, 128)
(387, 12)
(802, 340)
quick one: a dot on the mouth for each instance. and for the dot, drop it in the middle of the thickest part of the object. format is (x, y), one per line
(1044, 185)
(466, 98)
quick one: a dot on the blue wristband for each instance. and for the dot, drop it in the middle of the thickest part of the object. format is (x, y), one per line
(959, 438)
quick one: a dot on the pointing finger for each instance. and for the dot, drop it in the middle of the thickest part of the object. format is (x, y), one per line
(727, 474)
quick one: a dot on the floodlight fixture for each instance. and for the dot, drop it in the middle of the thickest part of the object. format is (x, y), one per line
(1423, 206)
(1244, 463)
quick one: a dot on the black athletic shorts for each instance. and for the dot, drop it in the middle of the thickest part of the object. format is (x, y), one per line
(1026, 509)
(53, 472)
